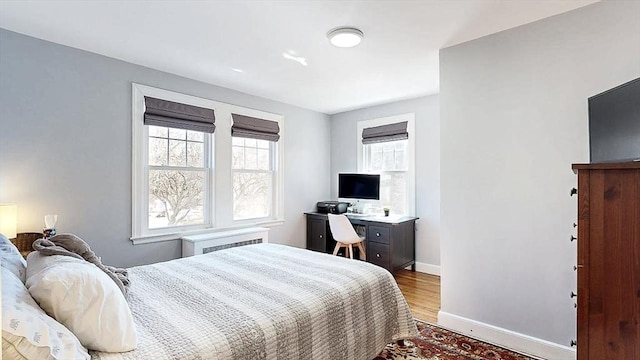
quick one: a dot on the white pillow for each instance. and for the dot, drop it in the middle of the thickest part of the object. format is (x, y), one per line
(27, 332)
(83, 298)
(11, 259)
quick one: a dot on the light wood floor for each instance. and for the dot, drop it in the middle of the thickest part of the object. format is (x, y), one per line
(422, 292)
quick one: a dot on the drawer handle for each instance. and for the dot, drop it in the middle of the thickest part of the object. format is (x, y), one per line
(573, 238)
(573, 191)
(573, 343)
(378, 234)
(573, 294)
(320, 236)
(378, 255)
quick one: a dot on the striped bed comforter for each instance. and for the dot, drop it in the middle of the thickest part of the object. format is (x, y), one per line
(264, 301)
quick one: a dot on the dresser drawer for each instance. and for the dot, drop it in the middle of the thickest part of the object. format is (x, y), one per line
(378, 254)
(378, 234)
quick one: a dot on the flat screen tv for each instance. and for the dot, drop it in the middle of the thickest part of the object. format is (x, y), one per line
(359, 186)
(614, 124)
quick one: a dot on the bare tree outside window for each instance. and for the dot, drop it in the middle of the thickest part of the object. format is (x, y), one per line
(252, 178)
(177, 177)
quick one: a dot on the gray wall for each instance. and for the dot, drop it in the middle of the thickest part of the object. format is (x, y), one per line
(514, 118)
(427, 127)
(65, 145)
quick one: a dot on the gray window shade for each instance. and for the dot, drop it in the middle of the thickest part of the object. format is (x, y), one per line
(171, 114)
(389, 132)
(254, 128)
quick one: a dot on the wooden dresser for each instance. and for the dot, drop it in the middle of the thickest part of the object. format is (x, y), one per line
(608, 261)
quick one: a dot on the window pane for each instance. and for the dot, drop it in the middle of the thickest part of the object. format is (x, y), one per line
(263, 144)
(251, 195)
(195, 154)
(400, 160)
(375, 161)
(393, 192)
(195, 135)
(177, 134)
(238, 157)
(250, 142)
(251, 158)
(176, 198)
(237, 141)
(177, 153)
(157, 151)
(158, 131)
(263, 159)
(388, 160)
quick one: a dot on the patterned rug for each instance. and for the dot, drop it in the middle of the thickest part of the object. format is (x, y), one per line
(435, 343)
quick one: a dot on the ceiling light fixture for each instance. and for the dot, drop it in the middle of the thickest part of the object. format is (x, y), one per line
(345, 36)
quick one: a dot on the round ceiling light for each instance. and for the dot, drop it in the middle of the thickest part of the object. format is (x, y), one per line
(345, 37)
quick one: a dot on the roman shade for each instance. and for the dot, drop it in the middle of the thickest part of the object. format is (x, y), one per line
(171, 114)
(388, 132)
(254, 128)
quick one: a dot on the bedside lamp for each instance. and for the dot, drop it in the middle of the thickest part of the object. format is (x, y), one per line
(9, 220)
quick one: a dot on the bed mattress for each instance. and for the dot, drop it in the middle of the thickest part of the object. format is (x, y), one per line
(264, 301)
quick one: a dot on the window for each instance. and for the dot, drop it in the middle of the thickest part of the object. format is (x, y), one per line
(252, 178)
(175, 190)
(389, 160)
(178, 177)
(254, 150)
(172, 163)
(388, 149)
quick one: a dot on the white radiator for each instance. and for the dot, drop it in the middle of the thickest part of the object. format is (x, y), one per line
(206, 243)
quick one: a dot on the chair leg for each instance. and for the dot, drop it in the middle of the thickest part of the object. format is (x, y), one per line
(351, 251)
(363, 254)
(337, 248)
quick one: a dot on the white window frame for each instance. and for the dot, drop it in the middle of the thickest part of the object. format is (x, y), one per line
(219, 210)
(410, 156)
(277, 206)
(273, 150)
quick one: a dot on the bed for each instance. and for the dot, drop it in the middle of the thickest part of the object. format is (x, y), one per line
(264, 301)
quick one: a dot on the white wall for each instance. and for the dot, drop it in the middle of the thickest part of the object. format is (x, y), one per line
(427, 127)
(65, 146)
(513, 120)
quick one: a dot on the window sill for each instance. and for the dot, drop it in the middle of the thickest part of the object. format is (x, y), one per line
(148, 239)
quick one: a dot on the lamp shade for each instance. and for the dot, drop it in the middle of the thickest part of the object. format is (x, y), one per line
(8, 220)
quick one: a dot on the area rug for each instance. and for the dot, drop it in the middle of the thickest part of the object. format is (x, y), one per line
(436, 343)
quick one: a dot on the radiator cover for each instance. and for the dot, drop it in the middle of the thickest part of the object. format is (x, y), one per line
(214, 241)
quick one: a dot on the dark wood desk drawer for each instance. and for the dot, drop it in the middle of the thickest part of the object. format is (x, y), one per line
(389, 244)
(378, 234)
(378, 254)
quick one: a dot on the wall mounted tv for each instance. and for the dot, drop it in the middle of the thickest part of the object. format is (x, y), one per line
(359, 186)
(614, 124)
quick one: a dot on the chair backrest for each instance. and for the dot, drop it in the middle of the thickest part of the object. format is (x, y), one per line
(342, 230)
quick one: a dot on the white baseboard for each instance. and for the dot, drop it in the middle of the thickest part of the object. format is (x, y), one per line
(506, 338)
(427, 268)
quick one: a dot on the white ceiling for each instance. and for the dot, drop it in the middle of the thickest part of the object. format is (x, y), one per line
(207, 40)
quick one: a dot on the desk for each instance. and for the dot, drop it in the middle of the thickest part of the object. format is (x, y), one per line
(390, 241)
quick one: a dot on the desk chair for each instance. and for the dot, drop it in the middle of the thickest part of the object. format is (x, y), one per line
(345, 236)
